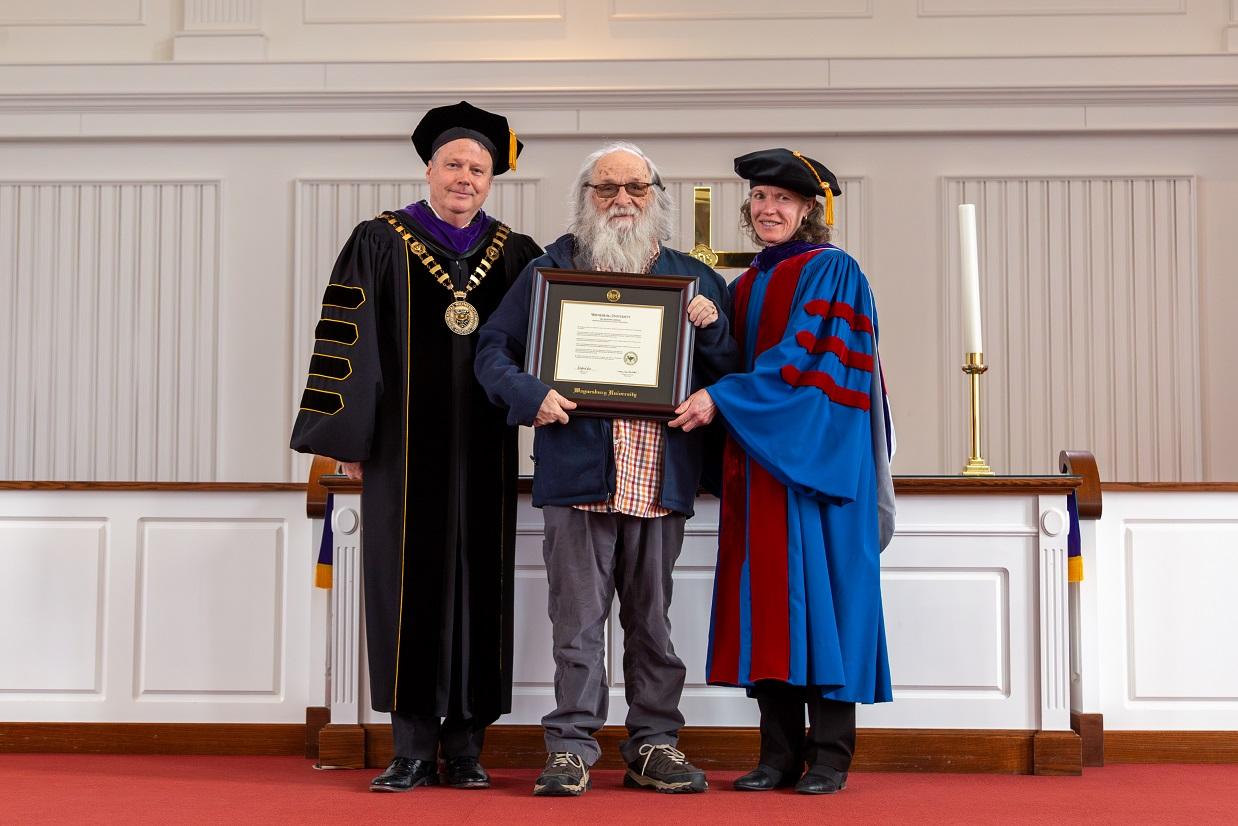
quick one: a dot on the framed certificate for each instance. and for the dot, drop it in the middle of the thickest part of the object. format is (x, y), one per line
(617, 344)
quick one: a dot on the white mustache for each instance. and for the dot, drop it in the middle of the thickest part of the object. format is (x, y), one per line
(620, 211)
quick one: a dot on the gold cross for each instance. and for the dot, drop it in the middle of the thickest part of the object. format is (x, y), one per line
(701, 199)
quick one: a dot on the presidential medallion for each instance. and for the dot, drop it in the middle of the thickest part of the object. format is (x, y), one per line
(461, 317)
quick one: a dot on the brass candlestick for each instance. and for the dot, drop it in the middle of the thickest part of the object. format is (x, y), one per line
(976, 465)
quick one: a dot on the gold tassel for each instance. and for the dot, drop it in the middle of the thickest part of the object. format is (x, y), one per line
(511, 150)
(829, 194)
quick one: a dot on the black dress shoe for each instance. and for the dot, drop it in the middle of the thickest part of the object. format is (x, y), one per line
(404, 774)
(466, 773)
(762, 779)
(822, 780)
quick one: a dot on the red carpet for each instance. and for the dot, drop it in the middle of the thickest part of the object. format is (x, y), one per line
(269, 790)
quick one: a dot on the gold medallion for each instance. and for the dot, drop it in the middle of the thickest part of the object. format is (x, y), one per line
(461, 317)
(612, 295)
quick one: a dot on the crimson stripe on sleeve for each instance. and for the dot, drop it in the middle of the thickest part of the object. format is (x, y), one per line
(835, 345)
(837, 309)
(825, 383)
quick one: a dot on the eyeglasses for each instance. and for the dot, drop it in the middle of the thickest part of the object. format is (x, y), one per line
(636, 189)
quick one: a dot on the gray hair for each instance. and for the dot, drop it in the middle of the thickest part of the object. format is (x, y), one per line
(662, 205)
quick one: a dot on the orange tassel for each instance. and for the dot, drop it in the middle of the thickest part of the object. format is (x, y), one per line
(511, 150)
(829, 207)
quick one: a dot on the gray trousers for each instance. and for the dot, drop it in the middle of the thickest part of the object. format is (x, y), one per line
(590, 556)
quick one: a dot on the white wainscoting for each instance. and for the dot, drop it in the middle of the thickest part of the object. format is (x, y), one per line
(131, 606)
(1090, 300)
(975, 604)
(169, 606)
(1165, 567)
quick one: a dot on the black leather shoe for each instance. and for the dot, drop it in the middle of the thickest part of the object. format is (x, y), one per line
(822, 780)
(466, 773)
(404, 774)
(762, 779)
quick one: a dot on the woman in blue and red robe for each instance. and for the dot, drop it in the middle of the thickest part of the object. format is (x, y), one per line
(808, 501)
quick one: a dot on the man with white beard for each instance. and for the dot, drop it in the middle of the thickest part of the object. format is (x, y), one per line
(614, 493)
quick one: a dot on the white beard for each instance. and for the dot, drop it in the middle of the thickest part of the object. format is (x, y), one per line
(625, 247)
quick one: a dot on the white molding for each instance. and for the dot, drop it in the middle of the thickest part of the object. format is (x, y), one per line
(92, 13)
(1054, 618)
(369, 12)
(219, 46)
(222, 15)
(1231, 31)
(626, 11)
(1041, 8)
(653, 97)
(344, 661)
(539, 77)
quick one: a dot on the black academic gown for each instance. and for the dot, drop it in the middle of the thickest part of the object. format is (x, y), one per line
(439, 462)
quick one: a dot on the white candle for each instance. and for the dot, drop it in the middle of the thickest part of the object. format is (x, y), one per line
(968, 263)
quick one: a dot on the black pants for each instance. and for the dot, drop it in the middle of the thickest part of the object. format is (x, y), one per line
(418, 738)
(831, 728)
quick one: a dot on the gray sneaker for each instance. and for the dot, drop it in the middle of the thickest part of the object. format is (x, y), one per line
(666, 769)
(565, 775)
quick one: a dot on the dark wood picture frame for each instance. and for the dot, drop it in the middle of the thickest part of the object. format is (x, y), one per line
(551, 287)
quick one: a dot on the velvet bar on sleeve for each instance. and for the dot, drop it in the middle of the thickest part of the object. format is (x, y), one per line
(344, 383)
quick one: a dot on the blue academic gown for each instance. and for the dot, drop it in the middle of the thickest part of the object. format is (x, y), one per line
(807, 500)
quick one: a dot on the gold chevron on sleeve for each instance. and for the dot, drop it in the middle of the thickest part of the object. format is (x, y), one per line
(343, 296)
(340, 332)
(330, 367)
(325, 402)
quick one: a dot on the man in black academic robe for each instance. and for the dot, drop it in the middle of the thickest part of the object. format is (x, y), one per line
(391, 395)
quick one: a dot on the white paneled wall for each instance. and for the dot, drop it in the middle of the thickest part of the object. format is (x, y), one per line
(109, 339)
(1163, 571)
(1089, 286)
(171, 606)
(54, 597)
(972, 592)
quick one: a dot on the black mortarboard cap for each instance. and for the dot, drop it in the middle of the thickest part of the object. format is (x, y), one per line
(464, 120)
(789, 170)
